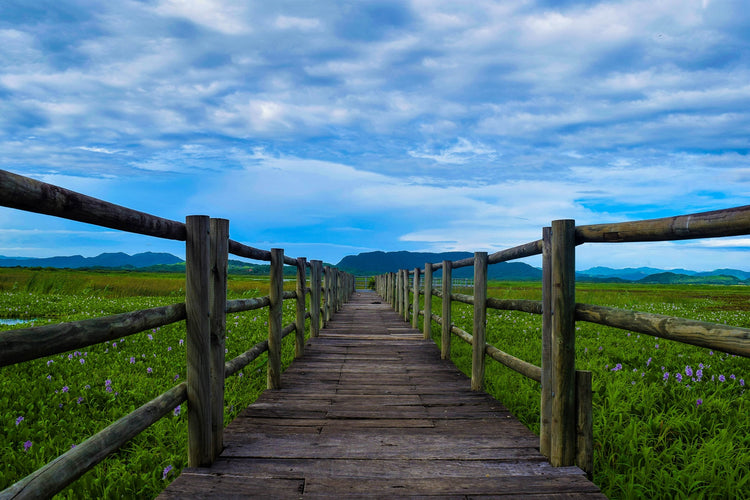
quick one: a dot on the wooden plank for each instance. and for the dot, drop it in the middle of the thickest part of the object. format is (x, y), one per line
(376, 415)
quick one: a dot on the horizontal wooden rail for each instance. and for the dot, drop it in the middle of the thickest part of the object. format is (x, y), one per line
(516, 364)
(25, 344)
(248, 252)
(242, 250)
(729, 339)
(518, 252)
(236, 364)
(30, 195)
(240, 305)
(68, 467)
(729, 222)
(529, 306)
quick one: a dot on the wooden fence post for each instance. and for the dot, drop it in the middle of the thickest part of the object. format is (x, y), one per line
(219, 235)
(427, 326)
(563, 424)
(198, 334)
(299, 345)
(397, 292)
(405, 284)
(415, 302)
(315, 284)
(326, 295)
(275, 310)
(546, 396)
(479, 335)
(445, 338)
(394, 290)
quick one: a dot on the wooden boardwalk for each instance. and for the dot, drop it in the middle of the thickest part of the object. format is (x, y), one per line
(371, 410)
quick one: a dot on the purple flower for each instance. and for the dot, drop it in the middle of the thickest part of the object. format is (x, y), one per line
(688, 371)
(678, 376)
(169, 349)
(132, 360)
(666, 376)
(177, 411)
(176, 377)
(150, 337)
(65, 388)
(107, 383)
(698, 402)
(617, 367)
(182, 341)
(722, 378)
(699, 375)
(49, 362)
(648, 362)
(167, 469)
(19, 420)
(27, 445)
(742, 382)
(149, 370)
(82, 360)
(80, 399)
(732, 377)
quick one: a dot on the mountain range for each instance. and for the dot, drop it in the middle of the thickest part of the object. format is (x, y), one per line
(371, 263)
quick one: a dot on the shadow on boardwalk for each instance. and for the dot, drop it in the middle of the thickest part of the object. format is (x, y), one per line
(371, 410)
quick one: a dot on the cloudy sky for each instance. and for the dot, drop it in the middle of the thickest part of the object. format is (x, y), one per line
(333, 128)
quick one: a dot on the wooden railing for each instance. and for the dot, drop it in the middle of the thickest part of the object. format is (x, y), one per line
(566, 430)
(204, 311)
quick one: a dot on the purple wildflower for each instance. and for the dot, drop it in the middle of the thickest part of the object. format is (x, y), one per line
(166, 472)
(722, 378)
(666, 376)
(732, 377)
(698, 402)
(648, 362)
(149, 370)
(678, 376)
(27, 445)
(699, 375)
(177, 411)
(82, 360)
(19, 420)
(688, 371)
(176, 377)
(132, 360)
(617, 367)
(742, 382)
(65, 388)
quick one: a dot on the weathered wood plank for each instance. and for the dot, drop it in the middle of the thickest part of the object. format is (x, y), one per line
(363, 414)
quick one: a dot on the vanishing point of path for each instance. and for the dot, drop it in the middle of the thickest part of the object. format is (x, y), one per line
(371, 410)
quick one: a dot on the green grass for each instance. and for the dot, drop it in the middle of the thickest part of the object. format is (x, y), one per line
(54, 403)
(652, 440)
(653, 437)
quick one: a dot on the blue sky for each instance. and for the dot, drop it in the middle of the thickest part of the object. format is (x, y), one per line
(333, 128)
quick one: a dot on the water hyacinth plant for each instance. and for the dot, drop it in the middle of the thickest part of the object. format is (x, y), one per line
(50, 405)
(662, 428)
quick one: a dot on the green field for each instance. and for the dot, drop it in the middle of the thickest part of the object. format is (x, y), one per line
(655, 436)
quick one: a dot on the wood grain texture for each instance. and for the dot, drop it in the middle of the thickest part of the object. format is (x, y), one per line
(371, 410)
(198, 339)
(31, 195)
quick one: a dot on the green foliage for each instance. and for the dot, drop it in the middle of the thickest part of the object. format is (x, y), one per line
(54, 403)
(654, 436)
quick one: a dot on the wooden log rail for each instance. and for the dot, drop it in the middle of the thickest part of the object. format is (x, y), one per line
(566, 429)
(204, 312)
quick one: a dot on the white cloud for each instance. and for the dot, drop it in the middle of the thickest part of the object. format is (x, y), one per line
(300, 23)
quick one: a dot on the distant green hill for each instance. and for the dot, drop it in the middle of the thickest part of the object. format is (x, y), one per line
(670, 278)
(372, 263)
